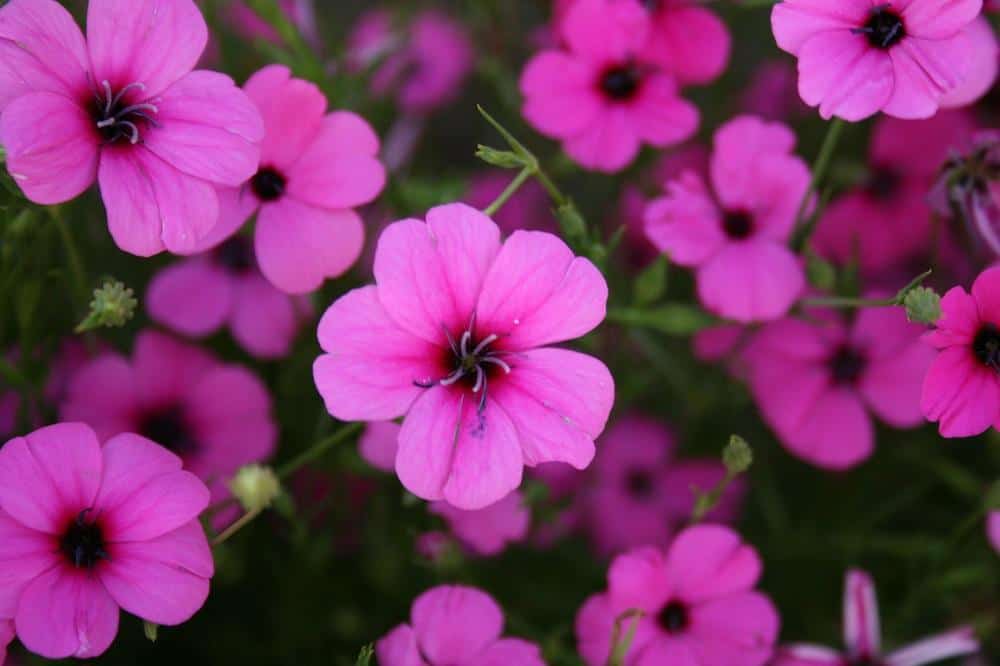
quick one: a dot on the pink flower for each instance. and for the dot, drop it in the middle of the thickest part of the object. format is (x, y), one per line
(224, 287)
(314, 169)
(452, 625)
(249, 23)
(771, 92)
(528, 209)
(86, 529)
(600, 96)
(982, 69)
(993, 529)
(697, 599)
(815, 383)
(123, 108)
(215, 417)
(379, 443)
(487, 531)
(962, 388)
(641, 496)
(858, 57)
(863, 636)
(454, 336)
(737, 240)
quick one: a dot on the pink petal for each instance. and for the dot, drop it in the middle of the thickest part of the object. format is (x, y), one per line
(986, 292)
(609, 144)
(929, 19)
(236, 205)
(751, 281)
(660, 116)
(844, 76)
(559, 96)
(66, 613)
(292, 110)
(340, 167)
(49, 476)
(924, 71)
(593, 626)
(807, 655)
(208, 129)
(487, 531)
(163, 580)
(379, 443)
(779, 185)
(399, 648)
(192, 297)
(165, 368)
(736, 629)
(603, 32)
(954, 643)
(981, 71)
(862, 629)
(51, 161)
(298, 246)
(455, 623)
(685, 224)
(508, 651)
(892, 386)
(638, 579)
(24, 555)
(7, 635)
(739, 143)
(959, 322)
(692, 42)
(362, 380)
(960, 393)
(103, 394)
(834, 433)
(794, 22)
(708, 562)
(151, 205)
(668, 650)
(154, 43)
(263, 320)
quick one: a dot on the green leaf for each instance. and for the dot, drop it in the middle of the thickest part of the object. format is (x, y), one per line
(365, 656)
(651, 284)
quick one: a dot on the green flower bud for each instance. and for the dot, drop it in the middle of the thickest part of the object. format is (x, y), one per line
(113, 305)
(256, 487)
(923, 305)
(505, 159)
(737, 456)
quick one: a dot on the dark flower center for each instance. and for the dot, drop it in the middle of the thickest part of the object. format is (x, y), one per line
(268, 184)
(884, 28)
(621, 83)
(865, 660)
(846, 365)
(883, 183)
(639, 483)
(116, 118)
(738, 224)
(472, 363)
(652, 5)
(986, 346)
(235, 255)
(168, 428)
(673, 618)
(83, 542)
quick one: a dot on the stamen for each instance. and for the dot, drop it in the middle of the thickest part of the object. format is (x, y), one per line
(133, 131)
(121, 93)
(480, 379)
(466, 338)
(108, 96)
(487, 341)
(495, 361)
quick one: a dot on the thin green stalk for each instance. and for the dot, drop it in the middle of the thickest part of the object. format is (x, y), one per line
(847, 302)
(820, 166)
(77, 270)
(317, 450)
(244, 520)
(515, 185)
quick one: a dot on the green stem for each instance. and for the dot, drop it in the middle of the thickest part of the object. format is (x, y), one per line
(620, 644)
(244, 520)
(820, 166)
(317, 450)
(843, 302)
(77, 270)
(525, 173)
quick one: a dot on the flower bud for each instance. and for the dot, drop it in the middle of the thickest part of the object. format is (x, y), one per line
(923, 305)
(113, 305)
(505, 159)
(256, 487)
(737, 456)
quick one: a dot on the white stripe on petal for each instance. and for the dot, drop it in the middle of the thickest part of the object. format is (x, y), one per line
(954, 643)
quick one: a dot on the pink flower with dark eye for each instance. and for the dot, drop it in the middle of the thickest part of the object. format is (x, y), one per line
(816, 382)
(455, 335)
(528, 209)
(737, 240)
(639, 495)
(453, 625)
(314, 169)
(487, 531)
(697, 601)
(863, 637)
(215, 417)
(859, 57)
(86, 530)
(124, 108)
(962, 388)
(601, 96)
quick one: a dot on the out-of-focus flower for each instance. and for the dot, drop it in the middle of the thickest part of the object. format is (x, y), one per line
(857, 58)
(528, 209)
(982, 72)
(379, 443)
(452, 625)
(86, 529)
(487, 531)
(962, 388)
(249, 23)
(454, 336)
(863, 636)
(969, 188)
(125, 109)
(771, 92)
(599, 95)
(737, 239)
(697, 601)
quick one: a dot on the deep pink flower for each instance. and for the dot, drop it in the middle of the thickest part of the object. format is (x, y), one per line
(86, 529)
(215, 417)
(249, 23)
(487, 531)
(859, 57)
(737, 239)
(640, 495)
(863, 636)
(379, 443)
(224, 287)
(815, 383)
(453, 335)
(452, 625)
(771, 92)
(962, 388)
(600, 96)
(993, 529)
(124, 108)
(698, 604)
(314, 169)
(528, 209)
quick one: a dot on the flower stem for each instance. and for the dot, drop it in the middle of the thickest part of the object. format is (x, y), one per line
(820, 166)
(244, 520)
(510, 191)
(845, 302)
(317, 450)
(77, 270)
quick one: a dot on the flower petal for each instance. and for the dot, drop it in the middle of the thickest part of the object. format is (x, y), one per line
(986, 292)
(862, 627)
(807, 655)
(954, 643)
(509, 651)
(609, 144)
(794, 22)
(685, 224)
(844, 76)
(455, 623)
(660, 116)
(925, 70)
(736, 629)
(709, 562)
(691, 41)
(751, 281)
(103, 394)
(292, 110)
(193, 297)
(264, 320)
(960, 393)
(24, 555)
(166, 367)
(559, 98)
(930, 19)
(399, 648)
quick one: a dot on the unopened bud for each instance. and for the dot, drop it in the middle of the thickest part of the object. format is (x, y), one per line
(150, 630)
(113, 305)
(256, 487)
(923, 305)
(505, 159)
(737, 456)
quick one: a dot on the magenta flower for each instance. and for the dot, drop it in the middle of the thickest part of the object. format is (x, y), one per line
(487, 531)
(249, 23)
(379, 443)
(863, 636)
(224, 287)
(815, 383)
(599, 95)
(453, 336)
(86, 529)
(215, 417)
(124, 108)
(697, 601)
(859, 57)
(640, 495)
(452, 625)
(982, 69)
(314, 169)
(737, 240)
(962, 388)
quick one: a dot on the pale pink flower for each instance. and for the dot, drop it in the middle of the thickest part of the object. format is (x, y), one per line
(863, 636)
(125, 109)
(487, 531)
(315, 168)
(454, 336)
(737, 239)
(697, 601)
(859, 57)
(86, 529)
(379, 443)
(453, 625)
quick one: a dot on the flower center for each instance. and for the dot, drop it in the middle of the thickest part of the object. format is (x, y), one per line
(621, 83)
(673, 618)
(168, 428)
(235, 255)
(738, 224)
(883, 183)
(884, 28)
(986, 346)
(865, 660)
(83, 542)
(268, 184)
(118, 119)
(471, 363)
(846, 365)
(639, 483)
